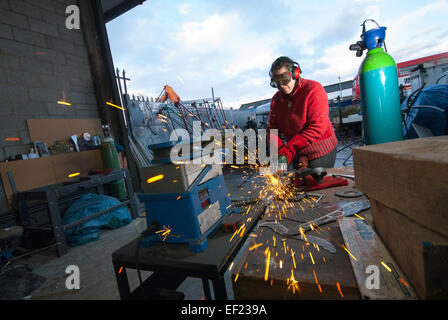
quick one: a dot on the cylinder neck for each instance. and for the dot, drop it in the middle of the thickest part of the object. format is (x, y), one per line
(376, 50)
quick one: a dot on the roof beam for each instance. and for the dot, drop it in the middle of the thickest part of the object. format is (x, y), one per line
(121, 8)
(335, 87)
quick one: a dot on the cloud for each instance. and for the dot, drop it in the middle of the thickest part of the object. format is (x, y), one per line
(184, 8)
(224, 38)
(230, 45)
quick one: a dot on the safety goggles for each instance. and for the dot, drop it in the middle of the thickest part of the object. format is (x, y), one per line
(281, 79)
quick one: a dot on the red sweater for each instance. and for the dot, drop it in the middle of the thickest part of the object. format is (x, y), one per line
(304, 121)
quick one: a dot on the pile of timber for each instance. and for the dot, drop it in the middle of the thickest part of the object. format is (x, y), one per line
(407, 184)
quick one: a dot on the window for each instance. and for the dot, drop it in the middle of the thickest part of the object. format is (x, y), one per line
(442, 61)
(406, 70)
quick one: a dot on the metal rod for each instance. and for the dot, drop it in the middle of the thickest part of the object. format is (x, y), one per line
(80, 221)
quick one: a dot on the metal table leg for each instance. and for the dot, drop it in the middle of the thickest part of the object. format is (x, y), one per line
(56, 221)
(122, 282)
(219, 288)
(132, 201)
(206, 287)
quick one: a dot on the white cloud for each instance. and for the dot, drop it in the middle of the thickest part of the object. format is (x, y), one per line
(404, 38)
(227, 38)
(340, 62)
(184, 8)
(230, 49)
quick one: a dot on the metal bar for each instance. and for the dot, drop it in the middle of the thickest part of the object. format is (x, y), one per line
(39, 228)
(56, 221)
(100, 189)
(207, 112)
(133, 203)
(206, 287)
(13, 184)
(122, 281)
(124, 111)
(349, 156)
(182, 116)
(93, 216)
(219, 288)
(124, 82)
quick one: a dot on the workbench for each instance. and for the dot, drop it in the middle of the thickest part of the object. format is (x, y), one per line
(321, 275)
(55, 199)
(172, 263)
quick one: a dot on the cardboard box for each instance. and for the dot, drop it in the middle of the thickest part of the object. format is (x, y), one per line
(421, 253)
(408, 176)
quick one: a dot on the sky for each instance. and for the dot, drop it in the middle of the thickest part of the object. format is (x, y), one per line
(229, 45)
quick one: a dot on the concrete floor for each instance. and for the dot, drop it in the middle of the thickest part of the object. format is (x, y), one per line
(97, 278)
(94, 260)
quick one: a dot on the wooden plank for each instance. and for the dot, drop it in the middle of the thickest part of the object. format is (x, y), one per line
(368, 250)
(335, 279)
(34, 173)
(409, 176)
(28, 174)
(77, 162)
(50, 130)
(421, 253)
(329, 269)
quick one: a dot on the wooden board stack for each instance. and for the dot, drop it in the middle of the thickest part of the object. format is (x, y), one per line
(407, 184)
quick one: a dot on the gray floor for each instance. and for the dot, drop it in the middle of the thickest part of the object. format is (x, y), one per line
(94, 260)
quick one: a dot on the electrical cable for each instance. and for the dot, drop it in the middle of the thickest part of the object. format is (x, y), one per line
(143, 234)
(137, 264)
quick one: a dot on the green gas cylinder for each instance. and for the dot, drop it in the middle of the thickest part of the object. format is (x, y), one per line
(380, 95)
(110, 161)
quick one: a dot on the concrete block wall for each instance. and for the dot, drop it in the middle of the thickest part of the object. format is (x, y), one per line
(41, 61)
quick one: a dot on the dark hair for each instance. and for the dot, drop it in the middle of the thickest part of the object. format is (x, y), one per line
(281, 62)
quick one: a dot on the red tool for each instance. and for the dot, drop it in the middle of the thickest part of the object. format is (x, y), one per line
(231, 227)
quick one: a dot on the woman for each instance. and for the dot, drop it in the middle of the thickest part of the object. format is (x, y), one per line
(299, 110)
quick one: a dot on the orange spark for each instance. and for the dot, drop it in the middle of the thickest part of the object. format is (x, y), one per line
(114, 105)
(255, 246)
(236, 232)
(164, 232)
(293, 283)
(266, 273)
(339, 289)
(74, 175)
(293, 260)
(386, 266)
(315, 277)
(403, 282)
(155, 178)
(312, 260)
(349, 253)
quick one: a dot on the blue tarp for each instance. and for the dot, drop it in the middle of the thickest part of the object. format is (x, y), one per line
(437, 96)
(88, 205)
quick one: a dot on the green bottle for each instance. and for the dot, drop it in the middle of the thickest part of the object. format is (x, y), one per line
(110, 161)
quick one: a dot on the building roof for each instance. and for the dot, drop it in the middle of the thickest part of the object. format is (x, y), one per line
(114, 8)
(253, 105)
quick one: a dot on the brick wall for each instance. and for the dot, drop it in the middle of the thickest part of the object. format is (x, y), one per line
(40, 61)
